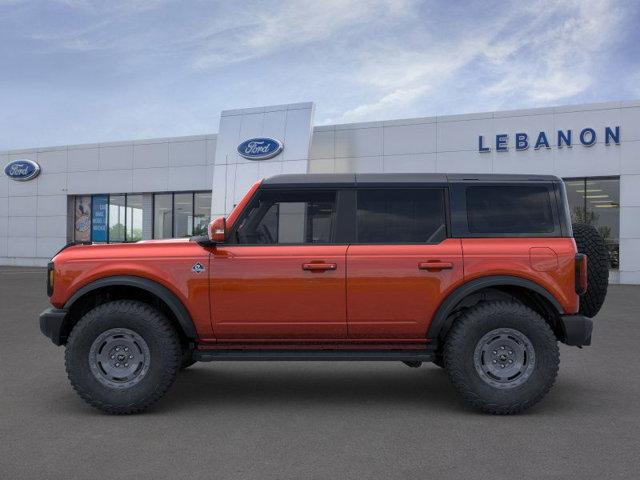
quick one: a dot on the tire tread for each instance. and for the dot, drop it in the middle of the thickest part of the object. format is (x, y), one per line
(165, 332)
(459, 334)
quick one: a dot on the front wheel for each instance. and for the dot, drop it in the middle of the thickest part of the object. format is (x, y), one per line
(122, 356)
(502, 357)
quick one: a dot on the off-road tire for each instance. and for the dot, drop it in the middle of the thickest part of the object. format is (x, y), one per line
(164, 349)
(468, 331)
(590, 242)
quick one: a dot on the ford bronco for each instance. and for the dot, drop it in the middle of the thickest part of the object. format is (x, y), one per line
(482, 275)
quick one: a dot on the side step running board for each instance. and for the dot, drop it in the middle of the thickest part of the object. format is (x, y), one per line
(313, 355)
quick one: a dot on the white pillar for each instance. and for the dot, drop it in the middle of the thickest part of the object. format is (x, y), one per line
(291, 124)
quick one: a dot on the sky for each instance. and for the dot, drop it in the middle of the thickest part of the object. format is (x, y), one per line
(80, 71)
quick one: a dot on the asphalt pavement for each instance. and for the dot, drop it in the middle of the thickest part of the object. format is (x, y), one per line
(316, 420)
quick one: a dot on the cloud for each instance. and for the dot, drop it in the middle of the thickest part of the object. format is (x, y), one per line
(542, 52)
(555, 63)
(255, 33)
(94, 70)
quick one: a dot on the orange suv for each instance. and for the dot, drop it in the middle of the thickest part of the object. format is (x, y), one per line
(480, 274)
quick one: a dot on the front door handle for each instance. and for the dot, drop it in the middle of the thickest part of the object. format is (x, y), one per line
(319, 267)
(433, 266)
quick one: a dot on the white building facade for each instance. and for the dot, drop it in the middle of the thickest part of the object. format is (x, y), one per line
(171, 187)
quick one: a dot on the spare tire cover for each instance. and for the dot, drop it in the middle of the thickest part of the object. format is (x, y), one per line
(590, 242)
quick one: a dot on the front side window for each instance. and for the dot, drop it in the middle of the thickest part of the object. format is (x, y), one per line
(288, 218)
(513, 209)
(401, 216)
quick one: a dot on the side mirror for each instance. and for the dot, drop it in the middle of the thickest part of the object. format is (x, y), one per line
(218, 230)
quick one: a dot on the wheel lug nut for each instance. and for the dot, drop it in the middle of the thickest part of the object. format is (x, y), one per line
(130, 356)
(510, 361)
(126, 349)
(495, 361)
(501, 366)
(126, 364)
(117, 364)
(495, 352)
(113, 356)
(117, 348)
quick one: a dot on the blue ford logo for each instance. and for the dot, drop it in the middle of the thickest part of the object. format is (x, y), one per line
(22, 170)
(260, 148)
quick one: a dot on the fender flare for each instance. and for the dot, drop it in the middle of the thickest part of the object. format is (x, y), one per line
(163, 293)
(439, 322)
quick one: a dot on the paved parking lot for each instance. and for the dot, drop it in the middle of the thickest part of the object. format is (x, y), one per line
(317, 420)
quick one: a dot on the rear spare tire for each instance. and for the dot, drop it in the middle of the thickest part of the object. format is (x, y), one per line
(590, 242)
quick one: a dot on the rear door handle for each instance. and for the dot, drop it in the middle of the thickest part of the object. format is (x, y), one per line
(435, 265)
(319, 267)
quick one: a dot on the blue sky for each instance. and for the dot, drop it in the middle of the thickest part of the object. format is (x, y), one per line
(76, 71)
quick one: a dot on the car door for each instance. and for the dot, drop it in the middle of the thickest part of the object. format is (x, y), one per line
(401, 263)
(280, 276)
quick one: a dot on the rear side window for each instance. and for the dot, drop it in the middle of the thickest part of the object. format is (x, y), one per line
(509, 209)
(401, 216)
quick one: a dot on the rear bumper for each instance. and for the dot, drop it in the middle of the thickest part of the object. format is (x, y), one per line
(52, 321)
(576, 330)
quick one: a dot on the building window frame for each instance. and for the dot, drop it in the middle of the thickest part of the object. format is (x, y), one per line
(173, 210)
(107, 214)
(613, 264)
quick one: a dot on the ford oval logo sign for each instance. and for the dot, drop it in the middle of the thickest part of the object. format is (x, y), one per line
(22, 170)
(260, 148)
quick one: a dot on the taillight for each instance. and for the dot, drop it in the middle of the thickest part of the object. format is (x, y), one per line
(581, 273)
(50, 278)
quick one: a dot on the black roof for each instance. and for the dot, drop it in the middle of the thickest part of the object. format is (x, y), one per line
(372, 179)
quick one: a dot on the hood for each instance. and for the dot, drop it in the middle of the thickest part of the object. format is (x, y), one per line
(113, 251)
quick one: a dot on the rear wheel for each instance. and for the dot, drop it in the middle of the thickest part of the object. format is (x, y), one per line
(502, 357)
(590, 242)
(122, 356)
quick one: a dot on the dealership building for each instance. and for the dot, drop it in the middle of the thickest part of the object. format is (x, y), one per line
(171, 187)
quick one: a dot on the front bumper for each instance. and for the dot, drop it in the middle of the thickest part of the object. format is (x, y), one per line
(576, 330)
(52, 323)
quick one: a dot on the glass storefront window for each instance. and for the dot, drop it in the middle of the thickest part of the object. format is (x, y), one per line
(183, 215)
(82, 219)
(134, 218)
(201, 212)
(117, 218)
(162, 215)
(596, 202)
(105, 218)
